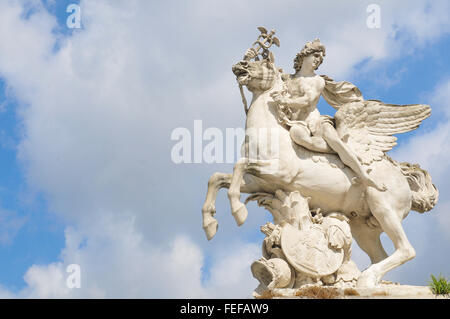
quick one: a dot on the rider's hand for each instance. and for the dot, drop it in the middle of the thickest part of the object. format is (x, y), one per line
(278, 97)
(250, 54)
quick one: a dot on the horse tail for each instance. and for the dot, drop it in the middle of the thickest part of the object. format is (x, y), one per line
(424, 193)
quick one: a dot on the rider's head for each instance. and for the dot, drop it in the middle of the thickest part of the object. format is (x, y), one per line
(310, 49)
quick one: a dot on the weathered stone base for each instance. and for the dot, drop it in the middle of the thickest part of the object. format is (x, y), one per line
(386, 290)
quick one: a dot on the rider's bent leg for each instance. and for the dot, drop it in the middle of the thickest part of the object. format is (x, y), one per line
(347, 156)
(302, 137)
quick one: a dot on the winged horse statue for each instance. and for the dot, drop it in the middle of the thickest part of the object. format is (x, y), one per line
(364, 127)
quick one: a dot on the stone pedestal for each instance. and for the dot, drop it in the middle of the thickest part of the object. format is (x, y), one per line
(386, 290)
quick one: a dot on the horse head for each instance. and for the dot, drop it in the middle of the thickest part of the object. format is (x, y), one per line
(257, 76)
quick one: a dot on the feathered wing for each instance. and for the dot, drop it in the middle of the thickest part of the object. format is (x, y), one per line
(262, 30)
(367, 126)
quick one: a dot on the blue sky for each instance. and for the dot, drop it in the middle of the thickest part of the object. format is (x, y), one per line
(41, 238)
(86, 117)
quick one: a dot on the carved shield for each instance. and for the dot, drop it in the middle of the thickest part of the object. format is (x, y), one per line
(308, 251)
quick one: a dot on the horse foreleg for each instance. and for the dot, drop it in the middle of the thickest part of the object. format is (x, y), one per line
(390, 222)
(238, 209)
(215, 183)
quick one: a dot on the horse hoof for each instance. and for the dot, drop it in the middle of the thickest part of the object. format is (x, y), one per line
(211, 229)
(240, 214)
(367, 280)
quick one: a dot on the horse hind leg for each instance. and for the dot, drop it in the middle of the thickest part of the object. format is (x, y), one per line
(390, 223)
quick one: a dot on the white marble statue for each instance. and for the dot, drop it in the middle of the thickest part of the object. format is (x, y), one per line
(337, 167)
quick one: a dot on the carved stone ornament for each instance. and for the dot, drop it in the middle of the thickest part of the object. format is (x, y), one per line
(308, 251)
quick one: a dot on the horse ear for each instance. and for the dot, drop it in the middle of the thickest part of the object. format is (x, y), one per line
(276, 41)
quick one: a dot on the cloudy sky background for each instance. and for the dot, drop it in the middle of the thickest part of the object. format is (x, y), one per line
(86, 116)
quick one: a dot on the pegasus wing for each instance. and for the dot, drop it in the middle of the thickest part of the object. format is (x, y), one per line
(368, 126)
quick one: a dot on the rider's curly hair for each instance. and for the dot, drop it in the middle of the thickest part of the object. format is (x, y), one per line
(309, 48)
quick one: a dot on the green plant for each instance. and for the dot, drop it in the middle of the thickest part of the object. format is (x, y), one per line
(440, 285)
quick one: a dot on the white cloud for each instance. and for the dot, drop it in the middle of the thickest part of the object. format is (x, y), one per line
(432, 151)
(118, 263)
(5, 293)
(45, 282)
(97, 115)
(231, 276)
